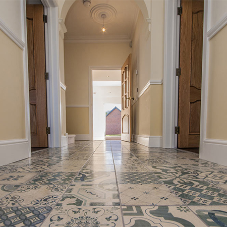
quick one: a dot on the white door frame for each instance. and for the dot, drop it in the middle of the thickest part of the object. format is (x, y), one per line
(91, 93)
(52, 67)
(170, 81)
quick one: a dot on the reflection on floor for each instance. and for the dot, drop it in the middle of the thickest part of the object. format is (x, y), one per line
(113, 183)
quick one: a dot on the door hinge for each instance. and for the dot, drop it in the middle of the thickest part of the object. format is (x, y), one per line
(48, 130)
(46, 76)
(45, 18)
(177, 130)
(178, 71)
(179, 10)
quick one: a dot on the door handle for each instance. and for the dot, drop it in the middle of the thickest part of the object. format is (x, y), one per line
(130, 98)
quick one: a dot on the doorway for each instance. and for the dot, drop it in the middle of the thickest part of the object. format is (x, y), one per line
(36, 71)
(190, 74)
(106, 87)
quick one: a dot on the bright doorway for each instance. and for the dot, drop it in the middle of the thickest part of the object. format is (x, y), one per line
(106, 86)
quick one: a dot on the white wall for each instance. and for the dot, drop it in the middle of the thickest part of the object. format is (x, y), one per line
(102, 102)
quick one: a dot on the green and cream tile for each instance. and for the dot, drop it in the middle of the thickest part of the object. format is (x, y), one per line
(34, 195)
(23, 216)
(91, 195)
(99, 177)
(211, 215)
(160, 216)
(16, 178)
(99, 167)
(6, 189)
(147, 194)
(197, 192)
(72, 216)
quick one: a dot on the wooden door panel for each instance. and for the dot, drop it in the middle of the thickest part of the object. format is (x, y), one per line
(126, 92)
(191, 43)
(36, 70)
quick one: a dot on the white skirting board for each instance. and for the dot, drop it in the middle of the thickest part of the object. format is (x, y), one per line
(64, 141)
(214, 151)
(14, 151)
(148, 141)
(83, 137)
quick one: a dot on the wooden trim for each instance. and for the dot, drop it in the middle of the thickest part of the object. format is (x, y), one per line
(150, 82)
(148, 141)
(12, 35)
(214, 151)
(217, 27)
(14, 141)
(14, 150)
(63, 86)
(215, 141)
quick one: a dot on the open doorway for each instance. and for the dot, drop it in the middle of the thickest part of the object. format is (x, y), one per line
(36, 71)
(106, 86)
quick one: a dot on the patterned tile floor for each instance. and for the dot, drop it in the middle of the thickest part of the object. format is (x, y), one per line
(113, 184)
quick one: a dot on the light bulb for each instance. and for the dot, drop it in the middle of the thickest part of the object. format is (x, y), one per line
(103, 29)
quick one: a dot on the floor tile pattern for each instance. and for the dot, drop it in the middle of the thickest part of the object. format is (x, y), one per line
(114, 184)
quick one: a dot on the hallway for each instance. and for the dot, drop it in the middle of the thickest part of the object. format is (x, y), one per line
(113, 183)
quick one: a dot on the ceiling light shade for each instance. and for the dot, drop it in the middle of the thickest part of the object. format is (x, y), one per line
(87, 3)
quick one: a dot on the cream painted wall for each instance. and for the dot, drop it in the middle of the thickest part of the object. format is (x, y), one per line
(77, 120)
(219, 10)
(63, 112)
(12, 112)
(157, 39)
(61, 60)
(141, 54)
(148, 59)
(10, 14)
(78, 58)
(147, 112)
(217, 94)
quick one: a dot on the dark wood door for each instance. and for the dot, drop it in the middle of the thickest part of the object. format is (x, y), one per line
(126, 99)
(36, 70)
(191, 44)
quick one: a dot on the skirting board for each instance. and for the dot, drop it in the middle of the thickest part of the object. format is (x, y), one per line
(64, 141)
(214, 151)
(83, 137)
(148, 141)
(13, 152)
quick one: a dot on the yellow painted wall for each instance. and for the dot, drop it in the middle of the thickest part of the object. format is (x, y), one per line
(12, 111)
(77, 120)
(63, 112)
(148, 60)
(217, 94)
(78, 58)
(147, 112)
(156, 110)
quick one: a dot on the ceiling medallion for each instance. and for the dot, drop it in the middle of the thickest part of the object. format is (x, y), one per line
(99, 10)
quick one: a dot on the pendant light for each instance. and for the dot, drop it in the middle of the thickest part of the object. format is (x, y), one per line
(103, 27)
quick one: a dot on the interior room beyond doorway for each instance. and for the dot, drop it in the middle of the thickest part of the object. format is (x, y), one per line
(106, 86)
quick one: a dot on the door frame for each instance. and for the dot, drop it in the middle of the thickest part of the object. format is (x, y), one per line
(90, 85)
(52, 67)
(170, 80)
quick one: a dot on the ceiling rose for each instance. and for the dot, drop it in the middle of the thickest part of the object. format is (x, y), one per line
(99, 10)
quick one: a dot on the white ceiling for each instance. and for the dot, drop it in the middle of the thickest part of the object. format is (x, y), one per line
(81, 26)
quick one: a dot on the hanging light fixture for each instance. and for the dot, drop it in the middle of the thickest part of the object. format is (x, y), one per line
(103, 27)
(87, 3)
